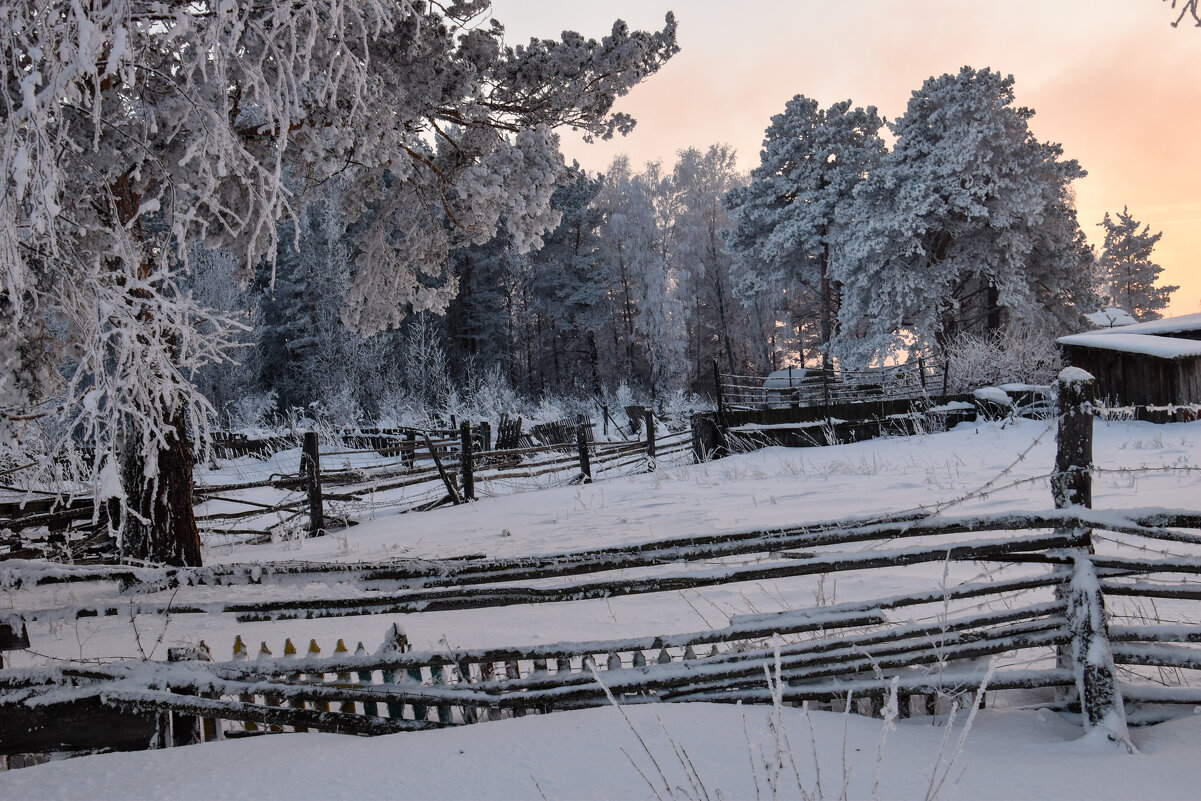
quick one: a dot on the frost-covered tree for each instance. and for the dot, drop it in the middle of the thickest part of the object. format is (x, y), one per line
(305, 353)
(719, 331)
(1126, 273)
(663, 312)
(568, 301)
(534, 315)
(230, 386)
(130, 129)
(646, 291)
(791, 220)
(481, 320)
(967, 224)
(627, 241)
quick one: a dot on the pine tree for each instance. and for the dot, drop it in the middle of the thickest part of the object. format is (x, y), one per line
(790, 221)
(568, 299)
(967, 224)
(627, 246)
(1126, 273)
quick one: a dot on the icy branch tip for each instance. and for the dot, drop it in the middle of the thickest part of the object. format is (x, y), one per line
(1074, 375)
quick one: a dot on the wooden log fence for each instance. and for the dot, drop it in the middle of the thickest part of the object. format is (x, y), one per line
(1045, 616)
(465, 460)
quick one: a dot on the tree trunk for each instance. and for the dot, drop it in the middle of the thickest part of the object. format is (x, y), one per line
(826, 323)
(725, 326)
(993, 321)
(159, 521)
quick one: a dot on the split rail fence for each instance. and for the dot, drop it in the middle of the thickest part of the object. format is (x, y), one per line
(407, 469)
(1076, 608)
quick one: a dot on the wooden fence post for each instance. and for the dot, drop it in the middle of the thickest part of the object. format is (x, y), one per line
(189, 729)
(605, 419)
(720, 419)
(395, 642)
(485, 436)
(409, 454)
(242, 654)
(707, 442)
(268, 699)
(451, 491)
(1101, 702)
(650, 440)
(581, 441)
(717, 388)
(465, 461)
(310, 472)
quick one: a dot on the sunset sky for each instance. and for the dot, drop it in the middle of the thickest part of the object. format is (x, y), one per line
(1110, 80)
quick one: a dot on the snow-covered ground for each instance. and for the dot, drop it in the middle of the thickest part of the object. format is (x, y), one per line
(594, 754)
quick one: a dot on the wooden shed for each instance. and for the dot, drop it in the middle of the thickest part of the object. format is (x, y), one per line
(1157, 363)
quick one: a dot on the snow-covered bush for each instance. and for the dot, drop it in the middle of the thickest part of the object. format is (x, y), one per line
(485, 395)
(1013, 356)
(251, 412)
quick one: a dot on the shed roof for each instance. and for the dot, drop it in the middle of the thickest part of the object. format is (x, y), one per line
(1168, 325)
(1145, 344)
(1152, 338)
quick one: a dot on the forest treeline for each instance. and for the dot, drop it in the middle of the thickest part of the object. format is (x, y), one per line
(960, 235)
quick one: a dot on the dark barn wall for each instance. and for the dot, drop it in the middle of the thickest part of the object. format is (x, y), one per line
(1135, 379)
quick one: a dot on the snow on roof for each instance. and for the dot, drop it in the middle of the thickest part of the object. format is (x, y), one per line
(1143, 338)
(1112, 317)
(1121, 340)
(1168, 325)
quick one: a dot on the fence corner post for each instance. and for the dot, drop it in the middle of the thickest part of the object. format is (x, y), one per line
(1091, 658)
(310, 473)
(650, 440)
(707, 441)
(581, 441)
(467, 461)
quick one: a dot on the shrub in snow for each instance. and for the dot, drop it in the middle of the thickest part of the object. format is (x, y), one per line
(1010, 357)
(251, 412)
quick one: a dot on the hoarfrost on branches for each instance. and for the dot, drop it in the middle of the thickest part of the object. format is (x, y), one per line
(967, 224)
(131, 130)
(791, 220)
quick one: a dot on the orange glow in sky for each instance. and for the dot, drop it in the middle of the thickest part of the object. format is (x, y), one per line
(1110, 80)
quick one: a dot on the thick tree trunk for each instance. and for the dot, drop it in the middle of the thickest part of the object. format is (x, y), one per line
(159, 523)
(725, 326)
(993, 321)
(826, 324)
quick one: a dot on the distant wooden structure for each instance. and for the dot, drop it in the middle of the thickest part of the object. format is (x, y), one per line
(1152, 364)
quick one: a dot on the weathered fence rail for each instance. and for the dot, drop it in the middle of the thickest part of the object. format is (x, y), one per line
(421, 470)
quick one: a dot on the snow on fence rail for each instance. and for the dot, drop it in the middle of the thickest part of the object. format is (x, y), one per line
(1022, 600)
